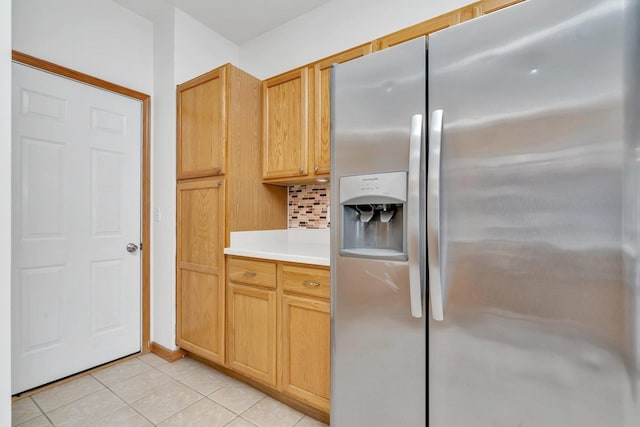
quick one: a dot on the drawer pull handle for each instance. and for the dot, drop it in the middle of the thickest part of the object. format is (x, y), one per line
(249, 273)
(311, 284)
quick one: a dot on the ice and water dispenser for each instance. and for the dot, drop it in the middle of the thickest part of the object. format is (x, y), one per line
(373, 216)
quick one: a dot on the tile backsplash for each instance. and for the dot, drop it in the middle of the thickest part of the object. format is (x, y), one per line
(308, 206)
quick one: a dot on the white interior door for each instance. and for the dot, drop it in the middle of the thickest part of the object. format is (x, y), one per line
(75, 207)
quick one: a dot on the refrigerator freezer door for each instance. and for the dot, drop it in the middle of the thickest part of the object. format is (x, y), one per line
(539, 323)
(378, 371)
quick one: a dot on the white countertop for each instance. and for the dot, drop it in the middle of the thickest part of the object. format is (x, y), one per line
(294, 245)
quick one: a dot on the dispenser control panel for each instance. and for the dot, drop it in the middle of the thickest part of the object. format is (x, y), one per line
(388, 187)
(370, 184)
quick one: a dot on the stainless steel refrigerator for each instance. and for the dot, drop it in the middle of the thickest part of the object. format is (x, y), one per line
(528, 121)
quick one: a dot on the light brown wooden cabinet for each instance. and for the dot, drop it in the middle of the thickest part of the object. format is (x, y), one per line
(320, 139)
(306, 340)
(251, 313)
(201, 105)
(285, 135)
(441, 22)
(200, 267)
(487, 6)
(278, 327)
(219, 122)
(296, 120)
(423, 28)
(251, 319)
(305, 332)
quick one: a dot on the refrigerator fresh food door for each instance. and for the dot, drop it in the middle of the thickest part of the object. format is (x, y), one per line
(378, 371)
(539, 321)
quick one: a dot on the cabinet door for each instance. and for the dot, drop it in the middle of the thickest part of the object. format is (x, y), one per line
(285, 125)
(423, 28)
(252, 332)
(305, 350)
(200, 268)
(322, 106)
(487, 6)
(201, 127)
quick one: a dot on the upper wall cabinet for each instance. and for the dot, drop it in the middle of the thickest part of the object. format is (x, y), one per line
(297, 120)
(321, 137)
(201, 125)
(487, 6)
(424, 28)
(285, 115)
(441, 22)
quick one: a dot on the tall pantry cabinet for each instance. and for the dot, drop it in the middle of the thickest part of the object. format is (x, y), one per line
(219, 190)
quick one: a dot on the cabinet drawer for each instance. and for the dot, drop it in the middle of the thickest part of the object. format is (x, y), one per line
(306, 280)
(252, 272)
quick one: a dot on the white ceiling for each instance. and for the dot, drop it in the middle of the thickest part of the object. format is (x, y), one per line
(236, 20)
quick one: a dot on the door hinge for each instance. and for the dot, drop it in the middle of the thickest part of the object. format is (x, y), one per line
(140, 245)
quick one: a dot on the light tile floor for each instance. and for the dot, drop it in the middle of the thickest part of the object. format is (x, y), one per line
(148, 391)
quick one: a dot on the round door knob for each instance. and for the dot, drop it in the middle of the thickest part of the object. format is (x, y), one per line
(132, 247)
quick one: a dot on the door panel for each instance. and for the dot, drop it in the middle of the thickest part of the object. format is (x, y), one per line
(106, 315)
(252, 332)
(285, 125)
(378, 348)
(538, 317)
(200, 273)
(306, 350)
(76, 205)
(44, 188)
(41, 306)
(202, 126)
(106, 193)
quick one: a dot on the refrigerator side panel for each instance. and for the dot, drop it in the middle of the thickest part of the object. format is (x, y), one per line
(631, 197)
(378, 372)
(538, 317)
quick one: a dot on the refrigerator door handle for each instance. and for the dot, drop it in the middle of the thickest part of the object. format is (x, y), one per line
(413, 223)
(433, 215)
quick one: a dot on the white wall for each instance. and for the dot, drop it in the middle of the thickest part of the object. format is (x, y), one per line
(163, 236)
(198, 49)
(5, 212)
(96, 37)
(183, 49)
(333, 27)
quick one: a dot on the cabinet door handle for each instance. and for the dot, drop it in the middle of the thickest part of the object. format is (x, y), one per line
(250, 273)
(218, 169)
(301, 170)
(311, 284)
(315, 168)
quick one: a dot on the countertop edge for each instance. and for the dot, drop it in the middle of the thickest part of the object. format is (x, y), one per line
(276, 256)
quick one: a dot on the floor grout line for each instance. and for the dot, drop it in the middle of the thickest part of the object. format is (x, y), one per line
(128, 404)
(43, 412)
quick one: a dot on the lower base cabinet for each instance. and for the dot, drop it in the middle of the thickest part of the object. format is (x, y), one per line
(306, 339)
(251, 317)
(278, 327)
